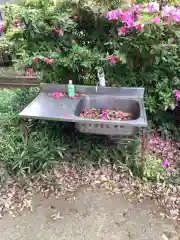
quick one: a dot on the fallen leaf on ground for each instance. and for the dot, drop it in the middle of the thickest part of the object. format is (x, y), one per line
(164, 237)
(56, 216)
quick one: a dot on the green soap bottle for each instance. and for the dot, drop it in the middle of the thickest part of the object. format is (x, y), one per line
(71, 89)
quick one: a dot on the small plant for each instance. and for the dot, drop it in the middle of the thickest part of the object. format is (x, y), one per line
(155, 169)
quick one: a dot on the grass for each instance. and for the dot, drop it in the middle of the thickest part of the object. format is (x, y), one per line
(50, 142)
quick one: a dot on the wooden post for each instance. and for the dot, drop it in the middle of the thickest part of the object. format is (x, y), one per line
(143, 147)
(23, 128)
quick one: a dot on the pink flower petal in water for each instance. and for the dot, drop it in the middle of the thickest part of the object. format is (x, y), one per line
(73, 98)
(104, 116)
(57, 95)
(121, 113)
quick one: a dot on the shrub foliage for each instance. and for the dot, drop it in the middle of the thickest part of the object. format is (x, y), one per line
(69, 40)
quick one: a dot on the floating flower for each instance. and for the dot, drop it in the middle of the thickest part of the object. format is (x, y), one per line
(59, 31)
(35, 59)
(112, 59)
(104, 116)
(73, 98)
(156, 20)
(57, 95)
(121, 114)
(165, 164)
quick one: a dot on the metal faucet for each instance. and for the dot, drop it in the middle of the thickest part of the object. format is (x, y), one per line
(97, 86)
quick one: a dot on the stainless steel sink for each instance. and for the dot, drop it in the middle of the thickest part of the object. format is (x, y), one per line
(109, 102)
(129, 100)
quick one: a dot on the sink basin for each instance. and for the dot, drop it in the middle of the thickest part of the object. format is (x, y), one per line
(127, 100)
(109, 102)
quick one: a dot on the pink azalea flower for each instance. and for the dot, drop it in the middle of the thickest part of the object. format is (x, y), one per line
(1, 27)
(176, 16)
(114, 14)
(122, 31)
(139, 27)
(29, 70)
(166, 22)
(128, 19)
(59, 31)
(35, 59)
(168, 11)
(153, 7)
(58, 95)
(156, 20)
(165, 164)
(135, 8)
(177, 95)
(51, 61)
(112, 59)
(48, 60)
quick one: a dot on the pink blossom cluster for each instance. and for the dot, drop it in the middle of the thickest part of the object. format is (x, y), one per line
(128, 19)
(114, 14)
(177, 95)
(172, 13)
(152, 7)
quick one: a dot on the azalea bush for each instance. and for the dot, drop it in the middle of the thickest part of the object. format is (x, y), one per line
(42, 39)
(143, 50)
(137, 46)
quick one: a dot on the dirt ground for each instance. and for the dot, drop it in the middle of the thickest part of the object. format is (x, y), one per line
(89, 215)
